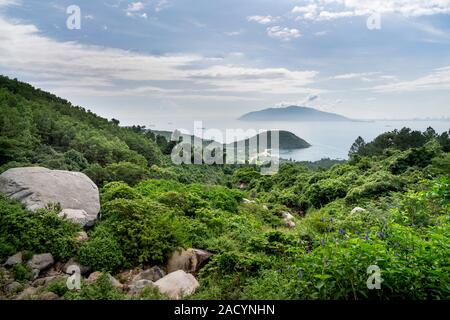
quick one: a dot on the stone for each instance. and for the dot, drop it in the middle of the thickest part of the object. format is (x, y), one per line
(38, 188)
(43, 282)
(82, 236)
(94, 276)
(287, 216)
(357, 210)
(290, 224)
(72, 262)
(77, 216)
(152, 274)
(189, 260)
(48, 296)
(177, 285)
(41, 261)
(247, 201)
(14, 260)
(13, 287)
(137, 286)
(27, 294)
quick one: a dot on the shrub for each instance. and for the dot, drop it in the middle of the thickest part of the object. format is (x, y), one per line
(41, 231)
(102, 252)
(102, 289)
(118, 190)
(145, 230)
(127, 172)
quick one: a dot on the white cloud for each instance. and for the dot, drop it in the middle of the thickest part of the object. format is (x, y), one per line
(284, 34)
(5, 3)
(71, 67)
(161, 5)
(263, 19)
(135, 7)
(439, 79)
(134, 10)
(233, 33)
(349, 76)
(335, 9)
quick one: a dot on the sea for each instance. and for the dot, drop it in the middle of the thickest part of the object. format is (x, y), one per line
(328, 139)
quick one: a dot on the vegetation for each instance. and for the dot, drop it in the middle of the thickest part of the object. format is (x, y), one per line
(150, 207)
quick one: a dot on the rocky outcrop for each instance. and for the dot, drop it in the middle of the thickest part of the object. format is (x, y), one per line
(288, 219)
(189, 260)
(38, 188)
(41, 261)
(357, 210)
(153, 274)
(77, 216)
(177, 285)
(13, 260)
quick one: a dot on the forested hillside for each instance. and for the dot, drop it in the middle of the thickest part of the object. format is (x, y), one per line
(308, 232)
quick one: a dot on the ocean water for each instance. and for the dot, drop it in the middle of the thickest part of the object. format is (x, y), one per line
(328, 139)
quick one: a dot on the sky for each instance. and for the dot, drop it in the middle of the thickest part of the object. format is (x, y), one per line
(150, 61)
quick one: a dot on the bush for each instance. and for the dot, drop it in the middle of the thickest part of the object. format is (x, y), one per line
(376, 185)
(127, 172)
(102, 289)
(145, 230)
(118, 190)
(102, 252)
(41, 231)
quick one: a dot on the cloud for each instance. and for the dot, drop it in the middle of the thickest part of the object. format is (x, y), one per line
(134, 10)
(71, 67)
(135, 7)
(5, 3)
(349, 76)
(162, 5)
(233, 33)
(263, 19)
(284, 34)
(335, 9)
(439, 79)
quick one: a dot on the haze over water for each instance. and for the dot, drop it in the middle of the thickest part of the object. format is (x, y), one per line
(328, 139)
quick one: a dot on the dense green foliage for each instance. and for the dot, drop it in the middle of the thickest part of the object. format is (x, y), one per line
(150, 207)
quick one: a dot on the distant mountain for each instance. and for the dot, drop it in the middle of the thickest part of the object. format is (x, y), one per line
(292, 113)
(288, 141)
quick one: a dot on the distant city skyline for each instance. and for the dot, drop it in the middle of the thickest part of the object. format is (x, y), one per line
(146, 62)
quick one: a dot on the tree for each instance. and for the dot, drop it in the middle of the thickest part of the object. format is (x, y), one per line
(357, 147)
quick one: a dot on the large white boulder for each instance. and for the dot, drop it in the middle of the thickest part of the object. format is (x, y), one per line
(177, 285)
(38, 187)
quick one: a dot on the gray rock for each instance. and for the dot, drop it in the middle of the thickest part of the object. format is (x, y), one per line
(13, 260)
(82, 236)
(77, 216)
(27, 294)
(41, 261)
(38, 188)
(13, 287)
(95, 276)
(137, 286)
(357, 210)
(152, 274)
(287, 216)
(189, 260)
(177, 285)
(72, 262)
(48, 296)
